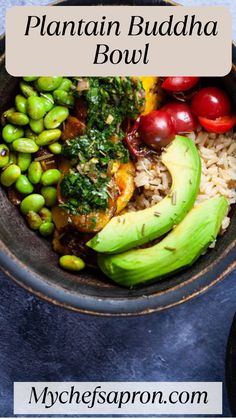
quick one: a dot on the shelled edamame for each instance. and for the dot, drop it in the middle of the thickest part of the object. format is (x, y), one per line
(31, 129)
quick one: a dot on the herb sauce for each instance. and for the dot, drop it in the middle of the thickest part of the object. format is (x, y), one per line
(110, 102)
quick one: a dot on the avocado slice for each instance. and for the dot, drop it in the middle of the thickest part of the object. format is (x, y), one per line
(180, 248)
(133, 229)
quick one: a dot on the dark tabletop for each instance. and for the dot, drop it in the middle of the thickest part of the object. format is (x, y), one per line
(42, 342)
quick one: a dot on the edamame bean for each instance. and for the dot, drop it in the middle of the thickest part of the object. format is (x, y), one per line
(12, 158)
(18, 118)
(50, 195)
(33, 202)
(30, 78)
(21, 103)
(46, 229)
(23, 161)
(5, 114)
(55, 117)
(47, 84)
(50, 177)
(63, 98)
(48, 137)
(35, 172)
(10, 175)
(27, 90)
(37, 126)
(65, 84)
(48, 101)
(34, 220)
(55, 148)
(25, 145)
(23, 185)
(35, 107)
(29, 134)
(71, 263)
(11, 133)
(4, 155)
(45, 214)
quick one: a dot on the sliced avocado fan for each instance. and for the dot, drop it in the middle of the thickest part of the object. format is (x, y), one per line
(133, 229)
(180, 248)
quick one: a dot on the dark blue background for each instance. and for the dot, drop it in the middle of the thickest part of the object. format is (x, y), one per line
(42, 342)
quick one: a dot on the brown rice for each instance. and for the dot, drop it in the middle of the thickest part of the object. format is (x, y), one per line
(218, 157)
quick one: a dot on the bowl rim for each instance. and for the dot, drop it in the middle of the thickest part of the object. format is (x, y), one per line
(85, 304)
(33, 283)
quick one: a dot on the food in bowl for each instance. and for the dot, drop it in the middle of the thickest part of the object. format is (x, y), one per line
(131, 175)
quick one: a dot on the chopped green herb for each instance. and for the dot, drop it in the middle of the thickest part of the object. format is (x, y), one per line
(110, 102)
(84, 195)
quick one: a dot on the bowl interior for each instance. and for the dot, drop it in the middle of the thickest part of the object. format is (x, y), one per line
(31, 261)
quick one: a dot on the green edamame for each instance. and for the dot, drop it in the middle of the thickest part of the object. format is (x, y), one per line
(45, 214)
(55, 148)
(63, 98)
(55, 117)
(71, 263)
(21, 104)
(12, 158)
(25, 145)
(48, 137)
(10, 175)
(66, 84)
(11, 133)
(50, 195)
(27, 90)
(35, 172)
(4, 155)
(23, 161)
(23, 185)
(47, 84)
(36, 126)
(35, 107)
(29, 134)
(5, 114)
(33, 220)
(33, 202)
(46, 229)
(50, 177)
(48, 101)
(30, 78)
(18, 118)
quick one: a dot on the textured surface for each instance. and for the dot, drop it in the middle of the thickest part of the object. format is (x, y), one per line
(41, 342)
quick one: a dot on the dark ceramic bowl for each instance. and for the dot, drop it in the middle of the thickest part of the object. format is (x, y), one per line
(29, 260)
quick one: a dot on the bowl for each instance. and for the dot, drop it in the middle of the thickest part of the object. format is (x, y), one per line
(31, 263)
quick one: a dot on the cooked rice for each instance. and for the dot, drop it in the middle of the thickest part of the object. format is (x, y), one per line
(218, 157)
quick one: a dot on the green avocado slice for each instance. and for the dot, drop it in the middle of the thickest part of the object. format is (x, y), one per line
(133, 229)
(180, 248)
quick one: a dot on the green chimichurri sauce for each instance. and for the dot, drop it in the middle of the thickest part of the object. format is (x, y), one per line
(110, 101)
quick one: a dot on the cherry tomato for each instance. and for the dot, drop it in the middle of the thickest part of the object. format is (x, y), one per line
(179, 84)
(182, 117)
(133, 141)
(218, 125)
(211, 103)
(156, 129)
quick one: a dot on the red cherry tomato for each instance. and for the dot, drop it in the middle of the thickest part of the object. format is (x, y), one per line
(182, 117)
(134, 142)
(156, 129)
(179, 84)
(218, 125)
(211, 103)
